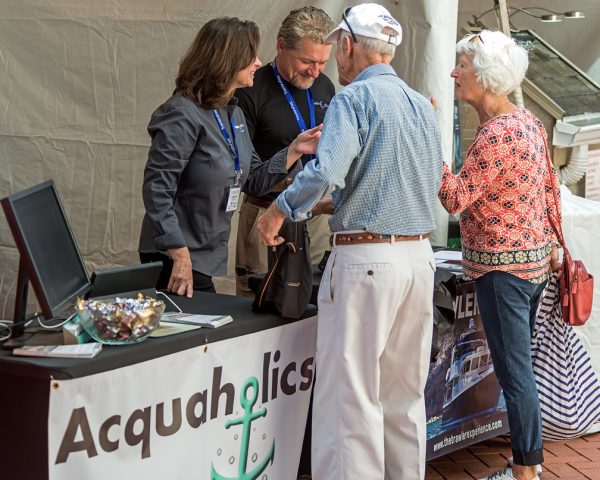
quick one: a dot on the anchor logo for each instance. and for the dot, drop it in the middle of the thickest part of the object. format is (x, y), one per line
(246, 420)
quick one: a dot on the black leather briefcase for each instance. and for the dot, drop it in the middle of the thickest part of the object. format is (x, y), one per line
(287, 287)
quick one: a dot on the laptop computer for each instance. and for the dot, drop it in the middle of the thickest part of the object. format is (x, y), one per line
(125, 281)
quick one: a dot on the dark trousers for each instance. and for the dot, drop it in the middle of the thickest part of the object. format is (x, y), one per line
(202, 282)
(508, 305)
(305, 467)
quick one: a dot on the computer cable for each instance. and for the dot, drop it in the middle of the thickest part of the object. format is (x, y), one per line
(52, 327)
(8, 325)
(5, 329)
(170, 301)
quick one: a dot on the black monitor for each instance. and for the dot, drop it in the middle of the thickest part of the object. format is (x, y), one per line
(49, 257)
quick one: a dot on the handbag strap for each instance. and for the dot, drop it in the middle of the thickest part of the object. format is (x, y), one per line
(557, 229)
(267, 281)
(291, 247)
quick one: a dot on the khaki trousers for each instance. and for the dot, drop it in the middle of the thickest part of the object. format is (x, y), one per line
(252, 254)
(373, 345)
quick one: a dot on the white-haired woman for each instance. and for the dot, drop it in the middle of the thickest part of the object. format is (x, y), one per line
(503, 193)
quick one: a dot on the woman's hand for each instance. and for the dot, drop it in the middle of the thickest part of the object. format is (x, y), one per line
(554, 262)
(304, 144)
(181, 281)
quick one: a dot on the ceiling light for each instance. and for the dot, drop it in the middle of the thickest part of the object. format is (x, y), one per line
(550, 18)
(574, 14)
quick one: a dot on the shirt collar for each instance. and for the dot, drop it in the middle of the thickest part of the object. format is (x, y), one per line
(230, 107)
(374, 71)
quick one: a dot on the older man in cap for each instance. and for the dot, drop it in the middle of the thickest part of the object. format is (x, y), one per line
(381, 159)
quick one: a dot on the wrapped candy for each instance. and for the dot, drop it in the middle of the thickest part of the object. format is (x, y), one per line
(121, 320)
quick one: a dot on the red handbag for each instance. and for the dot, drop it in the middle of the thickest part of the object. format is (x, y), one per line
(576, 290)
(576, 284)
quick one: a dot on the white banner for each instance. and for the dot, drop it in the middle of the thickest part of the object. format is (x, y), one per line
(235, 409)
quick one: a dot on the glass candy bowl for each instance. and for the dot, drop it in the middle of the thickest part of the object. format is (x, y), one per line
(120, 321)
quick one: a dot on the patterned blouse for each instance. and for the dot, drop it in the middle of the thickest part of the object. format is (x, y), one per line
(504, 195)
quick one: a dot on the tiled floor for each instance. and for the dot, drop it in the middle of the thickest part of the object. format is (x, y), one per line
(577, 459)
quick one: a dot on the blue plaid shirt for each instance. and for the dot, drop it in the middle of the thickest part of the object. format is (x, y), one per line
(379, 156)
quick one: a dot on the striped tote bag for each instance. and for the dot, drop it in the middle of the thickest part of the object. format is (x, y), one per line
(568, 386)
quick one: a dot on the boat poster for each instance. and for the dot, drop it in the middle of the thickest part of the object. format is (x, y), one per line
(464, 401)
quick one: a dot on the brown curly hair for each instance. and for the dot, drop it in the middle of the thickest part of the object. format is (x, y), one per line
(222, 48)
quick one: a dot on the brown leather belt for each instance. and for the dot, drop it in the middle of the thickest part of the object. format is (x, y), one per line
(259, 202)
(338, 239)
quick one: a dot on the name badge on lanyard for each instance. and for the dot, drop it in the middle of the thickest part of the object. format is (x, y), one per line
(294, 107)
(235, 189)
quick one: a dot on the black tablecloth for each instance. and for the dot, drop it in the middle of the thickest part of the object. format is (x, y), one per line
(112, 357)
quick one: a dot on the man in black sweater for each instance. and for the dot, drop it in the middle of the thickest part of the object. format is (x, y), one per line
(289, 95)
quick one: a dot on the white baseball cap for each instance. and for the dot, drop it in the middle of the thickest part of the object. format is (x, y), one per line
(368, 20)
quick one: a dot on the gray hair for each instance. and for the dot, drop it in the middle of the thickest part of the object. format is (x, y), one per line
(306, 22)
(371, 45)
(499, 63)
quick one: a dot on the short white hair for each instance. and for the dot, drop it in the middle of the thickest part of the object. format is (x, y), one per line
(499, 63)
(371, 45)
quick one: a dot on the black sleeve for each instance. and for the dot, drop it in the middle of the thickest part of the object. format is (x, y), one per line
(265, 175)
(174, 136)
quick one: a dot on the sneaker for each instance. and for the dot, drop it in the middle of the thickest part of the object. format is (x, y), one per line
(538, 467)
(505, 474)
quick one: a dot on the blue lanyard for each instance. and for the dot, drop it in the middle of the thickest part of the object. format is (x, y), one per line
(292, 103)
(231, 143)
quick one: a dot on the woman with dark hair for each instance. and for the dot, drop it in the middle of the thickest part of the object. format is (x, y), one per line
(504, 195)
(201, 157)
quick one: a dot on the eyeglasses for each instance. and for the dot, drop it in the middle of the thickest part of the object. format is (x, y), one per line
(345, 19)
(475, 36)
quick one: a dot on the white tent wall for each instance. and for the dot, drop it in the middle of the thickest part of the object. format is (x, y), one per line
(81, 78)
(425, 60)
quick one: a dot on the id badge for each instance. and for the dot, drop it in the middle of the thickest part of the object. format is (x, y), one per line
(234, 196)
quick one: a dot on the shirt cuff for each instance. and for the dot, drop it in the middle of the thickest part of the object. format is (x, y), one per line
(278, 162)
(169, 240)
(295, 216)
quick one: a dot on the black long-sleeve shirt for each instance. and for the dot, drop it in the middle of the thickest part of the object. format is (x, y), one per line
(270, 120)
